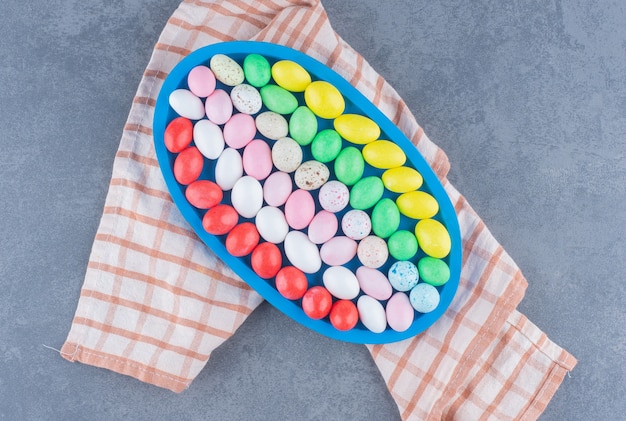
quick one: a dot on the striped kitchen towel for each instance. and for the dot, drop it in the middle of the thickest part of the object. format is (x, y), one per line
(156, 301)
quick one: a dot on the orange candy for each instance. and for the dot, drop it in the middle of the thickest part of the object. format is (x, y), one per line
(188, 165)
(178, 134)
(317, 302)
(242, 239)
(291, 282)
(204, 194)
(344, 315)
(266, 260)
(220, 219)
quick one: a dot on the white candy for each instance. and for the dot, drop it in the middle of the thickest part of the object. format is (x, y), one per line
(302, 253)
(271, 224)
(341, 282)
(186, 104)
(228, 169)
(247, 196)
(286, 154)
(272, 125)
(208, 138)
(246, 99)
(372, 314)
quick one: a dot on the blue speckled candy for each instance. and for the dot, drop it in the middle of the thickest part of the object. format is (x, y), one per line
(403, 275)
(424, 298)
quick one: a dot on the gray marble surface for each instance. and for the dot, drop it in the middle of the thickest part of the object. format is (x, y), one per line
(528, 99)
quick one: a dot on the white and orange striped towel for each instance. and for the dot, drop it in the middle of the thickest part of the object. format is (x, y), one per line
(156, 301)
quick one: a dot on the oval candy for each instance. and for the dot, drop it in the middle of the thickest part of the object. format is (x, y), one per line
(266, 260)
(402, 179)
(311, 175)
(242, 239)
(357, 128)
(186, 104)
(218, 107)
(385, 218)
(219, 220)
(257, 70)
(278, 100)
(399, 312)
(286, 154)
(226, 70)
(277, 188)
(326, 145)
(302, 126)
(188, 165)
(433, 271)
(203, 194)
(317, 302)
(338, 251)
(341, 282)
(372, 314)
(349, 166)
(356, 224)
(334, 196)
(301, 252)
(374, 283)
(417, 205)
(201, 81)
(291, 282)
(366, 192)
(271, 125)
(403, 275)
(402, 245)
(323, 227)
(383, 154)
(228, 169)
(246, 99)
(178, 134)
(239, 130)
(372, 251)
(424, 298)
(257, 159)
(433, 238)
(290, 76)
(299, 209)
(324, 99)
(247, 196)
(208, 138)
(343, 315)
(271, 224)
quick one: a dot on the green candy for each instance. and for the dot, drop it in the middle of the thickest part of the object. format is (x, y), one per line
(303, 125)
(366, 192)
(257, 70)
(385, 218)
(433, 271)
(279, 100)
(326, 145)
(349, 165)
(402, 245)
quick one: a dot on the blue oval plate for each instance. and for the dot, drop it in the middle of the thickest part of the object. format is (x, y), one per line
(356, 103)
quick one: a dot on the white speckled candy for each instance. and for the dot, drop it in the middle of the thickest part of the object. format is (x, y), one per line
(372, 251)
(372, 314)
(246, 99)
(374, 283)
(399, 312)
(403, 275)
(334, 196)
(424, 297)
(228, 169)
(271, 224)
(286, 154)
(356, 224)
(247, 196)
(323, 227)
(277, 188)
(201, 81)
(272, 125)
(226, 70)
(186, 104)
(341, 282)
(302, 253)
(311, 175)
(218, 107)
(208, 138)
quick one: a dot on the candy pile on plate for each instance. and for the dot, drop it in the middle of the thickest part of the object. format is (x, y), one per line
(307, 195)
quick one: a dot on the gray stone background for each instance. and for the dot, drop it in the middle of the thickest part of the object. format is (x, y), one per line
(528, 99)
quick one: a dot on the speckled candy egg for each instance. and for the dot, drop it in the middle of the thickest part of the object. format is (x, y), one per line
(272, 125)
(286, 154)
(311, 175)
(246, 99)
(403, 275)
(356, 224)
(334, 196)
(424, 298)
(226, 70)
(372, 251)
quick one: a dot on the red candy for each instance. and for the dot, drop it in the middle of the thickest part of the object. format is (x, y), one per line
(266, 260)
(344, 315)
(317, 302)
(178, 134)
(188, 165)
(220, 219)
(242, 239)
(291, 282)
(204, 194)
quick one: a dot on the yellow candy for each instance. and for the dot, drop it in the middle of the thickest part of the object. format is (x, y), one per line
(417, 205)
(324, 99)
(433, 238)
(383, 154)
(402, 179)
(290, 76)
(356, 128)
